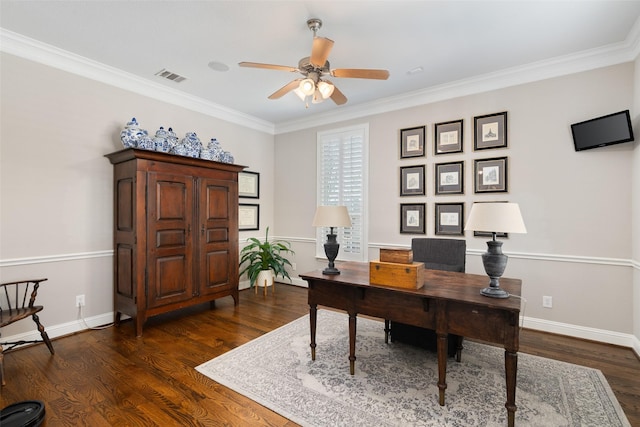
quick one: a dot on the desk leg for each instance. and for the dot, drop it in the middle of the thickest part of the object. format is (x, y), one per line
(313, 318)
(511, 366)
(352, 343)
(387, 329)
(442, 366)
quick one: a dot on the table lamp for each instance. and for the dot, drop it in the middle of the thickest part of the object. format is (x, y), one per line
(331, 216)
(495, 217)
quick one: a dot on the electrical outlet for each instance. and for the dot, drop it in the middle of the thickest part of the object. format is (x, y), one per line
(547, 301)
(79, 300)
(293, 266)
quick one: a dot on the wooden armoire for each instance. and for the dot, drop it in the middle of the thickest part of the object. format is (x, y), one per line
(175, 233)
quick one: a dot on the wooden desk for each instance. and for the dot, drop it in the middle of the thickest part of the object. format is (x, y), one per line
(449, 303)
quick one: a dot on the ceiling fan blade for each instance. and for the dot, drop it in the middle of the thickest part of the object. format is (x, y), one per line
(337, 96)
(360, 73)
(285, 89)
(320, 51)
(267, 66)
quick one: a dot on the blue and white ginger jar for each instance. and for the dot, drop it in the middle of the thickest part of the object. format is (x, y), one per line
(213, 151)
(172, 139)
(192, 144)
(132, 134)
(161, 141)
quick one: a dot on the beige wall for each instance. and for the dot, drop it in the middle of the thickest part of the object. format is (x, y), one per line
(56, 185)
(577, 206)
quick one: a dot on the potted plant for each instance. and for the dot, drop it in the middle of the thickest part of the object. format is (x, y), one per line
(265, 260)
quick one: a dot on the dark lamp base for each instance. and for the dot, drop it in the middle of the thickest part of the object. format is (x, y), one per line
(494, 262)
(331, 271)
(331, 249)
(494, 292)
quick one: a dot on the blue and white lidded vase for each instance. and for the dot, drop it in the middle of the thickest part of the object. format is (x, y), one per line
(193, 144)
(172, 139)
(227, 157)
(146, 143)
(161, 142)
(213, 151)
(132, 134)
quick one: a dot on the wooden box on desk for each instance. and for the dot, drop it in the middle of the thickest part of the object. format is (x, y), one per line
(398, 255)
(408, 276)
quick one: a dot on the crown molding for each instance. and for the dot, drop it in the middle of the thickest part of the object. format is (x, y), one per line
(33, 50)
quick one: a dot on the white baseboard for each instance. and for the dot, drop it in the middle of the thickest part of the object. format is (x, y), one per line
(593, 334)
(63, 329)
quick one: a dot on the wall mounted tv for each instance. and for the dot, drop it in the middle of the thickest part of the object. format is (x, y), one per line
(606, 130)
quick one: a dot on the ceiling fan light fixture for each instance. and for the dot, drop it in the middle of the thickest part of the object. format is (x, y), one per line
(301, 95)
(307, 87)
(317, 97)
(326, 89)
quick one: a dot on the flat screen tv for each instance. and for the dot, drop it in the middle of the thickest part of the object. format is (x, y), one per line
(606, 130)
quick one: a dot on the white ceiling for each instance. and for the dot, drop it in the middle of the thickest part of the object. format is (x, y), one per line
(452, 41)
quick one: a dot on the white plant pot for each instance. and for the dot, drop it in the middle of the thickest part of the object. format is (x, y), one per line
(265, 278)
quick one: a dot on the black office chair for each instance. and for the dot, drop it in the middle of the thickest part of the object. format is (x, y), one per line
(436, 254)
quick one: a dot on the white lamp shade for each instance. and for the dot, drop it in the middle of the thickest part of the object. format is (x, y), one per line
(496, 218)
(331, 216)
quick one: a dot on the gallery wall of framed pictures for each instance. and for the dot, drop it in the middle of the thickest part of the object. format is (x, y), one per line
(433, 171)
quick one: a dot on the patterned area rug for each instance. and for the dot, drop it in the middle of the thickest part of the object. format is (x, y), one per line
(395, 384)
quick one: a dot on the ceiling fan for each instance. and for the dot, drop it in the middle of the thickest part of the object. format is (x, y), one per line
(314, 68)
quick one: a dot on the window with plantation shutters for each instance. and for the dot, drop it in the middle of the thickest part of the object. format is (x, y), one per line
(342, 181)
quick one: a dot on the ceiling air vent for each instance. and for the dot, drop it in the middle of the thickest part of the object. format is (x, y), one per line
(170, 76)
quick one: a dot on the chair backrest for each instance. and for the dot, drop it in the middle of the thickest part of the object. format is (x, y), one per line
(440, 254)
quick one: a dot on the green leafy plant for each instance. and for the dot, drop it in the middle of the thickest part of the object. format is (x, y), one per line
(258, 256)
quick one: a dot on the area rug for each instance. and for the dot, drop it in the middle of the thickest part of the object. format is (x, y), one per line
(395, 384)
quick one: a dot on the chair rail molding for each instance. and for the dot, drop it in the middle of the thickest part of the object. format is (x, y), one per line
(54, 258)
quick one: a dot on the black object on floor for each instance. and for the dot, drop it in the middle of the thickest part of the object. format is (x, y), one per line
(29, 413)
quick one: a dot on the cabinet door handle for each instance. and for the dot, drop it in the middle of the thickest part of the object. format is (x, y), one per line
(188, 229)
(202, 230)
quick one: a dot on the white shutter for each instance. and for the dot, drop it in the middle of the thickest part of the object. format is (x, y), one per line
(342, 178)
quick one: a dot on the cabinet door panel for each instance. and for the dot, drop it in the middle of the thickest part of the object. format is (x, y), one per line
(217, 265)
(169, 238)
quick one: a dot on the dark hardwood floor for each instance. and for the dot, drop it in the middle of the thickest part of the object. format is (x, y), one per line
(111, 378)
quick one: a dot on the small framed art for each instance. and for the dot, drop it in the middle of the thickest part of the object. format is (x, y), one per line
(450, 178)
(412, 142)
(412, 218)
(448, 137)
(449, 219)
(490, 175)
(248, 216)
(490, 131)
(412, 181)
(249, 184)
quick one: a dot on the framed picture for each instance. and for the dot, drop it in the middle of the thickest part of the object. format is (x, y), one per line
(450, 178)
(412, 142)
(248, 216)
(491, 175)
(249, 184)
(412, 218)
(412, 181)
(490, 131)
(449, 219)
(448, 137)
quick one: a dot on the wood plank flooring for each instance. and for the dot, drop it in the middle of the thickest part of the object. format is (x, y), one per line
(109, 377)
